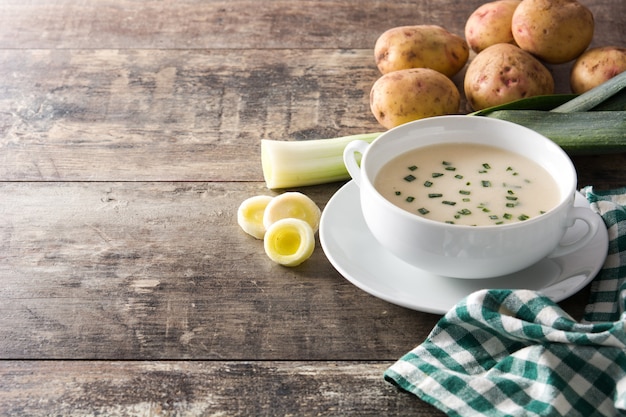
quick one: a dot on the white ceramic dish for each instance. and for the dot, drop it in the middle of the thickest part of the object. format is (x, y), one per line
(357, 255)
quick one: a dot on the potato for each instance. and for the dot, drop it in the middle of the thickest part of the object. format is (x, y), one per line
(405, 95)
(596, 66)
(556, 31)
(491, 24)
(503, 73)
(422, 46)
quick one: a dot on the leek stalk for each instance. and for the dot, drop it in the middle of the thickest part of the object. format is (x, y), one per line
(309, 162)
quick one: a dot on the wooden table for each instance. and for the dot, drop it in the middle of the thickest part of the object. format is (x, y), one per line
(129, 134)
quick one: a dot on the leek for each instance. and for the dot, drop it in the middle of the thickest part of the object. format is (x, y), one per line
(310, 162)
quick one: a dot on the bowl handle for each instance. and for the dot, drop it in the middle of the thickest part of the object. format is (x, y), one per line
(352, 154)
(585, 215)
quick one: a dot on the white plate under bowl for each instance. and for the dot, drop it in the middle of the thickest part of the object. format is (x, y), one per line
(357, 255)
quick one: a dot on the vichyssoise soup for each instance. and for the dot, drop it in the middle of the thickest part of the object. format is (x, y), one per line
(467, 184)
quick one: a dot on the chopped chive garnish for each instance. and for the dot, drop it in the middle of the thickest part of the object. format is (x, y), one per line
(486, 210)
(437, 174)
(412, 168)
(510, 192)
(466, 200)
(509, 169)
(508, 216)
(428, 184)
(449, 203)
(486, 183)
(465, 192)
(511, 198)
(482, 171)
(457, 216)
(493, 217)
(449, 222)
(468, 183)
(410, 199)
(500, 222)
(409, 178)
(465, 212)
(450, 169)
(398, 192)
(423, 211)
(510, 205)
(523, 217)
(486, 166)
(435, 195)
(458, 176)
(446, 163)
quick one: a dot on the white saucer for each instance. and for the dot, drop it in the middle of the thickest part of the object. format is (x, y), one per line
(358, 256)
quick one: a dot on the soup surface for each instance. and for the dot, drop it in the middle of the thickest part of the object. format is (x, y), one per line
(469, 184)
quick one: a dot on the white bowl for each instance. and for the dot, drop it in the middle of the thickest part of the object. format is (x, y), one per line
(467, 251)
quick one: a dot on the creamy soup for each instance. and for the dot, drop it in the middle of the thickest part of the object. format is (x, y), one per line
(468, 184)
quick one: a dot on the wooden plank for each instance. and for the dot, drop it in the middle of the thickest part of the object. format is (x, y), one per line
(171, 115)
(222, 24)
(227, 24)
(246, 388)
(162, 270)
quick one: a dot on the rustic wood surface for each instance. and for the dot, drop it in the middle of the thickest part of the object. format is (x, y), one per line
(129, 134)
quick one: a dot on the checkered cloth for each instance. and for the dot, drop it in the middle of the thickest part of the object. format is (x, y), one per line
(517, 353)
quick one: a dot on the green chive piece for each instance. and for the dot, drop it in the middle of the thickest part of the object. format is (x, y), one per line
(465, 192)
(449, 203)
(398, 192)
(509, 169)
(523, 217)
(435, 195)
(450, 169)
(510, 192)
(423, 211)
(466, 200)
(412, 168)
(510, 205)
(446, 163)
(486, 183)
(493, 217)
(449, 222)
(428, 184)
(482, 171)
(511, 198)
(410, 199)
(508, 216)
(465, 212)
(437, 174)
(409, 178)
(458, 176)
(486, 166)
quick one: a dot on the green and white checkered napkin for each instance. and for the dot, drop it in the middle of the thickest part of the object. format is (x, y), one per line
(517, 353)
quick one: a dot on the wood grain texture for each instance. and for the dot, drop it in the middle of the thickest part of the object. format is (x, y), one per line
(162, 270)
(199, 388)
(129, 135)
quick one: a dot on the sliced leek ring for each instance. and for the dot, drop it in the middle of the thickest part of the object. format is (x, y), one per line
(289, 241)
(292, 205)
(250, 215)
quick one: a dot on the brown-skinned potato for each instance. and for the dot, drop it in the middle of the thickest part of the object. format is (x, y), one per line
(595, 66)
(405, 95)
(421, 46)
(503, 73)
(490, 24)
(555, 31)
